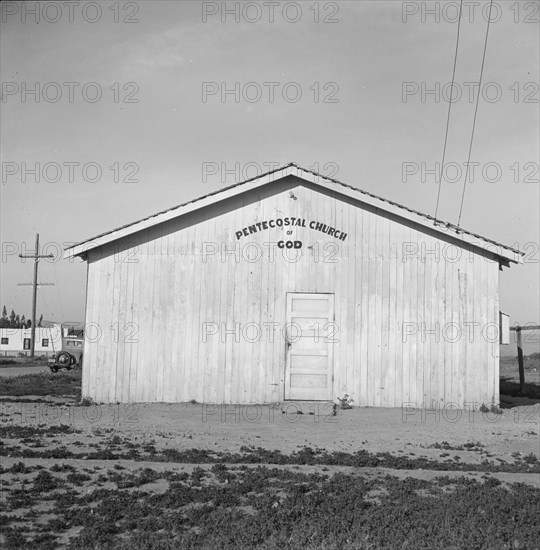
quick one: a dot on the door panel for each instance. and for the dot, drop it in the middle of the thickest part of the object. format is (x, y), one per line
(309, 305)
(316, 363)
(314, 381)
(309, 365)
(314, 326)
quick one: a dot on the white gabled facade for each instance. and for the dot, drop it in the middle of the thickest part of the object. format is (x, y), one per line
(292, 286)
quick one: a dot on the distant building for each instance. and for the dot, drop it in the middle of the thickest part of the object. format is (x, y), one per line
(17, 341)
(293, 286)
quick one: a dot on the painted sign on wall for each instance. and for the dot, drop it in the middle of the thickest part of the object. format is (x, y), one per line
(291, 222)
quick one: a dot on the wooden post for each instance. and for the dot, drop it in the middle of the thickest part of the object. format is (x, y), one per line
(520, 361)
(521, 365)
(34, 300)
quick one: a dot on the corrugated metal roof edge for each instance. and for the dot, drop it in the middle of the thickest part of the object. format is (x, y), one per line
(435, 221)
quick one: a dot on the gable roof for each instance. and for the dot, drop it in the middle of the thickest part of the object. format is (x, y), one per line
(499, 250)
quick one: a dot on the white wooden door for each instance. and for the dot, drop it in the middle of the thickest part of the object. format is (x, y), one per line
(310, 330)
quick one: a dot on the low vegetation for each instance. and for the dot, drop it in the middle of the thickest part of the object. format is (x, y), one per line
(256, 498)
(260, 507)
(24, 361)
(118, 449)
(509, 377)
(508, 386)
(65, 384)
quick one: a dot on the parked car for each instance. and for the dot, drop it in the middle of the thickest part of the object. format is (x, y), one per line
(70, 355)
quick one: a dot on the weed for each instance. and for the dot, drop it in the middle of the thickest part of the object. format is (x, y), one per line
(26, 432)
(470, 446)
(198, 475)
(345, 402)
(495, 409)
(86, 402)
(78, 478)
(45, 481)
(62, 468)
(19, 468)
(13, 537)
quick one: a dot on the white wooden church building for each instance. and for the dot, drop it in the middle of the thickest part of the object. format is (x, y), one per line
(292, 286)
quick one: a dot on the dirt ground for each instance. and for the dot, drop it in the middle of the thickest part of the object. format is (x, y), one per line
(411, 433)
(290, 426)
(57, 452)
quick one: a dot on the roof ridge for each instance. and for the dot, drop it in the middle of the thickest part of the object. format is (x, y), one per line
(436, 221)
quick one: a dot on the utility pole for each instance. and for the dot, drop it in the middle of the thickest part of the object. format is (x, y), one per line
(35, 285)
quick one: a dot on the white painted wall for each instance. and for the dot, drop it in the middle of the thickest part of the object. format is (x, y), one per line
(399, 290)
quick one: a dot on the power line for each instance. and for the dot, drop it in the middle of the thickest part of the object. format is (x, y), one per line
(449, 108)
(58, 289)
(475, 113)
(49, 309)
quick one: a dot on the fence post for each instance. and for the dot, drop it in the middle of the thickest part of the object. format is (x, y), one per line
(520, 361)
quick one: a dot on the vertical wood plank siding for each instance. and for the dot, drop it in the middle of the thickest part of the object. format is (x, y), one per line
(417, 313)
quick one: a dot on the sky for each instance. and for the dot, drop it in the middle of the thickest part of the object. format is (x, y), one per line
(135, 111)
